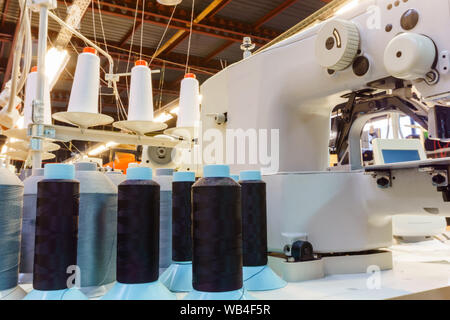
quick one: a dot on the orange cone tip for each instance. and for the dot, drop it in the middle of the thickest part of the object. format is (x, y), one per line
(140, 63)
(90, 50)
(34, 69)
(189, 75)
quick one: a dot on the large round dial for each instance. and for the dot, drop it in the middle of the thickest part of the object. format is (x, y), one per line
(337, 44)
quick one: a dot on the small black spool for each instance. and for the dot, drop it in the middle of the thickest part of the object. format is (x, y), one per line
(56, 233)
(138, 232)
(181, 221)
(254, 223)
(216, 235)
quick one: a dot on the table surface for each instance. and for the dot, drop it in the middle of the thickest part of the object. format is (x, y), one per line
(418, 267)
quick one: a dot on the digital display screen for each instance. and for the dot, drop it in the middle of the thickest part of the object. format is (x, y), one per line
(394, 156)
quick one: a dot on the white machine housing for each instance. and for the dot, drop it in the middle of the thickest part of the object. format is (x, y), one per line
(286, 87)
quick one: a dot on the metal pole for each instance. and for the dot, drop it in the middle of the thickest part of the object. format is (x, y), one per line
(38, 104)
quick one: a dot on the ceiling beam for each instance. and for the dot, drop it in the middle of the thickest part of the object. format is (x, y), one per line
(273, 13)
(5, 10)
(212, 13)
(158, 15)
(176, 39)
(218, 8)
(130, 33)
(183, 34)
(221, 48)
(11, 57)
(4, 37)
(123, 57)
(174, 61)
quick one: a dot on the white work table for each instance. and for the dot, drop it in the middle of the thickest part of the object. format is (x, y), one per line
(418, 267)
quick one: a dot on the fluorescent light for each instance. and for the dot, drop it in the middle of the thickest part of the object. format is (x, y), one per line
(349, 6)
(101, 148)
(4, 149)
(163, 117)
(55, 62)
(111, 144)
(21, 122)
(175, 110)
(97, 150)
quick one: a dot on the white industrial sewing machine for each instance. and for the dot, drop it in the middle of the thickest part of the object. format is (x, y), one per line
(381, 56)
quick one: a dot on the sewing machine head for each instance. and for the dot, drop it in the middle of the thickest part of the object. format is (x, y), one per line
(376, 58)
(379, 56)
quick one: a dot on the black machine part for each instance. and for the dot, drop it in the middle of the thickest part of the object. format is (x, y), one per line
(439, 123)
(300, 251)
(367, 102)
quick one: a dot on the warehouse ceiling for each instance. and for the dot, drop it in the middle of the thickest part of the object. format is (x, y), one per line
(217, 33)
(218, 29)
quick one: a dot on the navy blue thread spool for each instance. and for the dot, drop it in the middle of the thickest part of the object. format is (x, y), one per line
(258, 276)
(56, 235)
(138, 240)
(11, 200)
(216, 237)
(178, 277)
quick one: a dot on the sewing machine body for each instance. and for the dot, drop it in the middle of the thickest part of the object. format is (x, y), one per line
(283, 87)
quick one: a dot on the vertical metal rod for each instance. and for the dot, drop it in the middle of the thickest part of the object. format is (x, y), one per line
(41, 79)
(42, 51)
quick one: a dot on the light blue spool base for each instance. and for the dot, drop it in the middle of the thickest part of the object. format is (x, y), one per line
(59, 171)
(140, 291)
(139, 173)
(216, 171)
(261, 279)
(16, 293)
(65, 294)
(96, 292)
(235, 177)
(240, 294)
(250, 175)
(178, 277)
(184, 176)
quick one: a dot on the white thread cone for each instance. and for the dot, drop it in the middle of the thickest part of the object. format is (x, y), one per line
(30, 95)
(86, 84)
(83, 102)
(140, 107)
(189, 113)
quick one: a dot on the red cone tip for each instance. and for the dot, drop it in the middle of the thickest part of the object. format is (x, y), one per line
(190, 75)
(140, 63)
(34, 69)
(90, 50)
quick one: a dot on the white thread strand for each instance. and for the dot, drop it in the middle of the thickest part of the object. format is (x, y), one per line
(190, 37)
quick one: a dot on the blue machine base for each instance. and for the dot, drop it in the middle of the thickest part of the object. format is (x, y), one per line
(240, 294)
(261, 279)
(65, 294)
(140, 291)
(178, 277)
